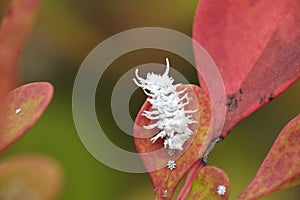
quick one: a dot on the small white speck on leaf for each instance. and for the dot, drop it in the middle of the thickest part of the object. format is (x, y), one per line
(221, 190)
(18, 110)
(165, 193)
(171, 164)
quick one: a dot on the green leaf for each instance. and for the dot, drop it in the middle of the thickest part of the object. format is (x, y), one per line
(30, 177)
(24, 106)
(281, 167)
(207, 183)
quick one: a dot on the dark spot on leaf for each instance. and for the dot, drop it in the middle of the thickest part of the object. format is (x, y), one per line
(240, 98)
(240, 91)
(262, 100)
(270, 98)
(233, 103)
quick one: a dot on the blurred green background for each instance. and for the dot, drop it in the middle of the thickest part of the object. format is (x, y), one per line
(65, 32)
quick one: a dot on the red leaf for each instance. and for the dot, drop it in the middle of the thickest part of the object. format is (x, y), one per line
(209, 181)
(281, 167)
(164, 179)
(14, 30)
(256, 46)
(25, 105)
(30, 177)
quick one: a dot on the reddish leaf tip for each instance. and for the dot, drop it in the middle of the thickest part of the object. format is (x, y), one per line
(24, 106)
(281, 167)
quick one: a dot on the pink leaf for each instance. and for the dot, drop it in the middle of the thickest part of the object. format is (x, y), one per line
(25, 105)
(281, 167)
(256, 46)
(15, 28)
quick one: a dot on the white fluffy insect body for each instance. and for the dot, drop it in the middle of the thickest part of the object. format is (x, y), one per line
(167, 109)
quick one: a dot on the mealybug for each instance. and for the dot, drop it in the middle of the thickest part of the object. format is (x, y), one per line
(167, 109)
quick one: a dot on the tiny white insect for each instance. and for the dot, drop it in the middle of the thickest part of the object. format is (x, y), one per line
(165, 193)
(171, 152)
(18, 110)
(221, 190)
(171, 164)
(167, 108)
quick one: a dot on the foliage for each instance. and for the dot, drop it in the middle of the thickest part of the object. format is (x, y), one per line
(20, 109)
(257, 61)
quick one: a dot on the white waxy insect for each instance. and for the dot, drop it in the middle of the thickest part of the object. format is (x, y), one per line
(18, 110)
(221, 190)
(167, 109)
(165, 193)
(171, 164)
(171, 152)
